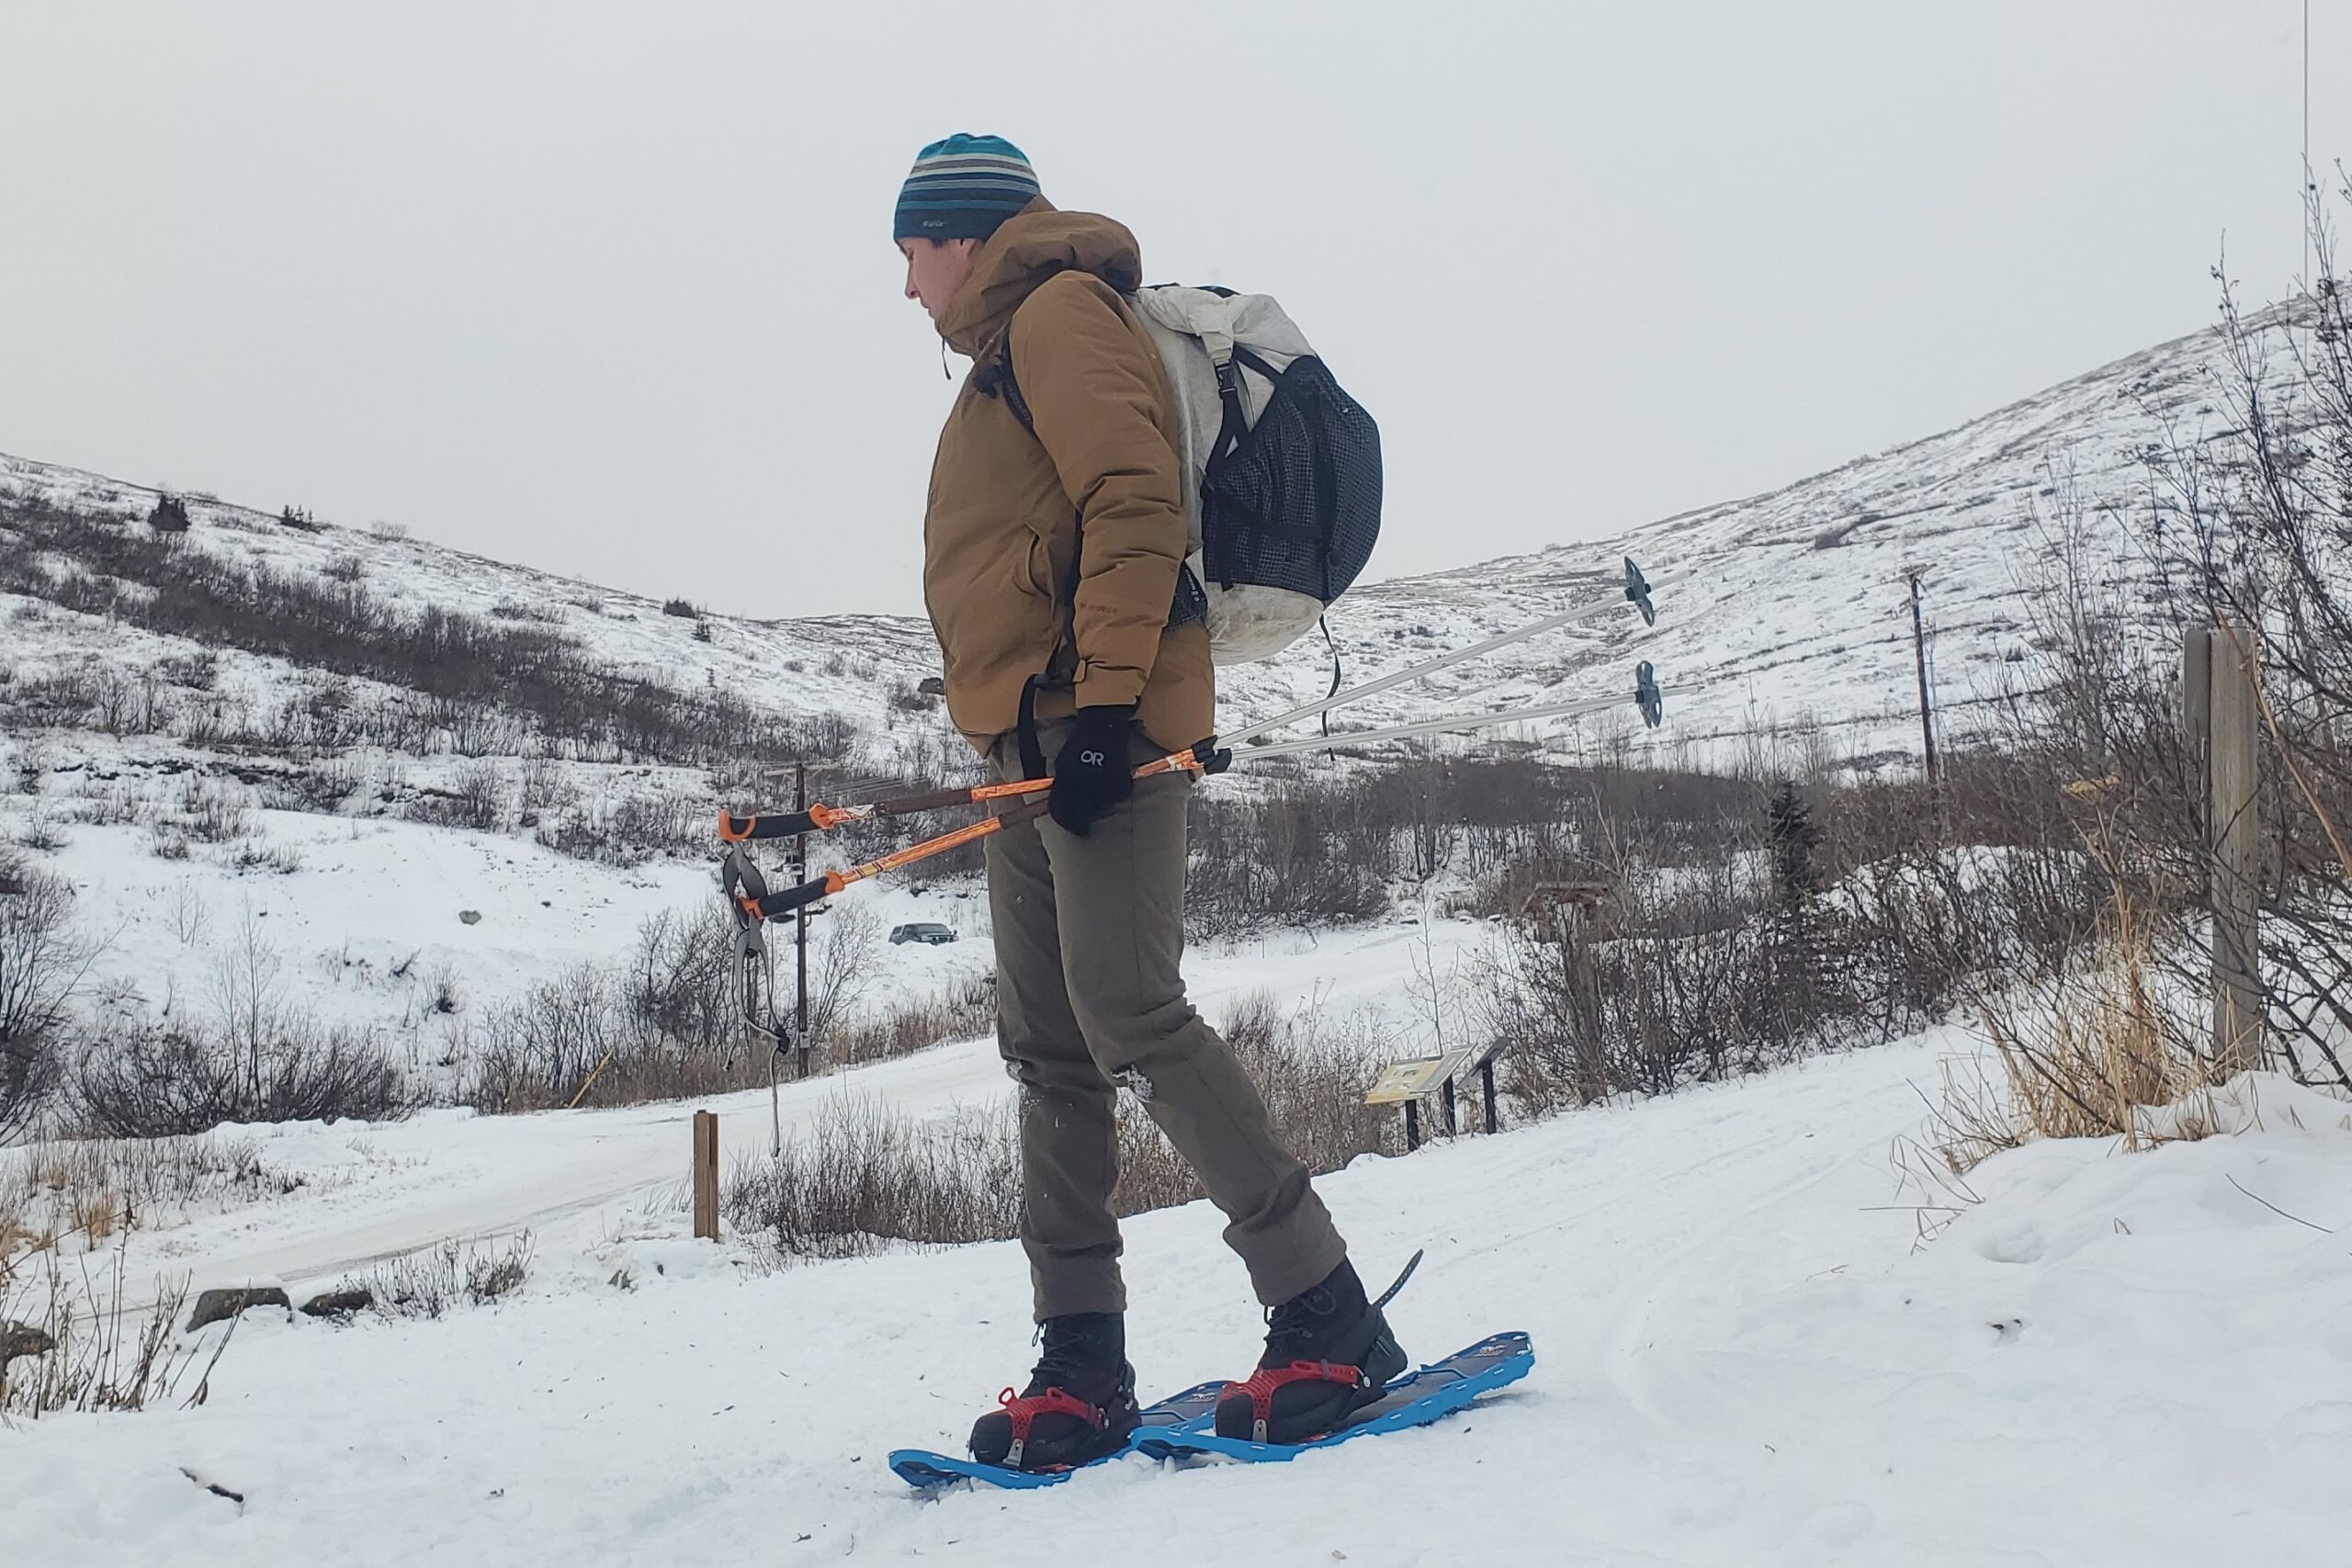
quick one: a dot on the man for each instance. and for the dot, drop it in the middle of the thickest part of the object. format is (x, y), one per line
(1052, 546)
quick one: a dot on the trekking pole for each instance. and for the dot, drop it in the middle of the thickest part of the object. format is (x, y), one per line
(1635, 593)
(819, 818)
(1646, 698)
(747, 891)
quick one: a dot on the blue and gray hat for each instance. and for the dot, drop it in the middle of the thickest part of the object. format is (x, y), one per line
(962, 188)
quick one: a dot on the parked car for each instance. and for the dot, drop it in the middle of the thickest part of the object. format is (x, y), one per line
(930, 931)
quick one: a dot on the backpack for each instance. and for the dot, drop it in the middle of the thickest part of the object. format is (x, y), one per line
(1282, 468)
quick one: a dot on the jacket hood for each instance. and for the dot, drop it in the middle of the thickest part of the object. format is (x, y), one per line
(1026, 249)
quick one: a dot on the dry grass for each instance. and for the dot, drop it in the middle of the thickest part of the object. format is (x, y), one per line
(104, 1357)
(96, 1187)
(2086, 1055)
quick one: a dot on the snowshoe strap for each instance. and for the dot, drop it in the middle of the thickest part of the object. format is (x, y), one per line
(1406, 1273)
(1024, 1409)
(1266, 1380)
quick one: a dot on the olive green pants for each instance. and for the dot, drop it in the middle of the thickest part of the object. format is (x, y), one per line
(1090, 934)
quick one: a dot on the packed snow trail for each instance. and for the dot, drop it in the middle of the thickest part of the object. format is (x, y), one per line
(1746, 1359)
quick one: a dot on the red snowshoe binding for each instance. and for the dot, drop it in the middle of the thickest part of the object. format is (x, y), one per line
(1079, 1404)
(1328, 1353)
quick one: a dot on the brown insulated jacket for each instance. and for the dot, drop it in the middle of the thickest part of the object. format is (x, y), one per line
(1007, 584)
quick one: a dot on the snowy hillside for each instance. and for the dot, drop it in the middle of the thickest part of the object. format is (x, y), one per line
(1747, 1354)
(1785, 606)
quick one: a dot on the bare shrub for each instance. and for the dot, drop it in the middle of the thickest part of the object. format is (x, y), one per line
(130, 704)
(536, 1052)
(864, 1175)
(155, 1083)
(546, 789)
(43, 962)
(103, 1357)
(2259, 520)
(964, 1010)
(441, 990)
(40, 831)
(1304, 852)
(841, 967)
(666, 1025)
(281, 860)
(457, 1273)
(213, 812)
(635, 829)
(1311, 1070)
(479, 792)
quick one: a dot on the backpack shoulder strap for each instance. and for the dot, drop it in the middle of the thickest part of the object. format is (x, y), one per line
(994, 378)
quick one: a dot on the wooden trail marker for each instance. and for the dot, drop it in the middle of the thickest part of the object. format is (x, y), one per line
(706, 1175)
(2221, 712)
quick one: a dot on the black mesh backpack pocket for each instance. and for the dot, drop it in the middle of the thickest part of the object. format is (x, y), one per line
(1293, 500)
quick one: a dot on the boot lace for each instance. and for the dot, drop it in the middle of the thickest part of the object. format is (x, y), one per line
(1292, 1327)
(1067, 1360)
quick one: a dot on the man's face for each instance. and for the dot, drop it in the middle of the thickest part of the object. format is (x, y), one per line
(935, 269)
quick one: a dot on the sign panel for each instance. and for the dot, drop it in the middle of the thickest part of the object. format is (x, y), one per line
(1400, 1081)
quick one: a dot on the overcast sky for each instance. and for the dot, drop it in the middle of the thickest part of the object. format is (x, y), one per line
(609, 289)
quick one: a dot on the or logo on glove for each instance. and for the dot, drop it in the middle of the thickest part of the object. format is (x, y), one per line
(1092, 775)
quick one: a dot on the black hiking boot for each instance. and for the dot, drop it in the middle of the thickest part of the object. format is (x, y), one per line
(1329, 1352)
(1079, 1404)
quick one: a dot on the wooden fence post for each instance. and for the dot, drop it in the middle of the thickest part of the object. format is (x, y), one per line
(707, 1175)
(2233, 831)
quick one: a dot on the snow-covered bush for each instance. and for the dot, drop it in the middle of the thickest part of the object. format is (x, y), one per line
(428, 1284)
(43, 960)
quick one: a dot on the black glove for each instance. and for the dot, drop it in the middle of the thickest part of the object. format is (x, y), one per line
(1092, 773)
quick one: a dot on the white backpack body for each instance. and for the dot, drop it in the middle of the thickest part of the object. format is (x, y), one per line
(1282, 516)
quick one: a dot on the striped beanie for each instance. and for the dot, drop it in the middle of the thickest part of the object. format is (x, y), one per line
(962, 188)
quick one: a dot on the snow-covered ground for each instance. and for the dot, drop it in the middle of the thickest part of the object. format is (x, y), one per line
(1747, 1355)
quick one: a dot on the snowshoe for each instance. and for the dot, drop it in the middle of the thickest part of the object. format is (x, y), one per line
(1080, 1404)
(1328, 1353)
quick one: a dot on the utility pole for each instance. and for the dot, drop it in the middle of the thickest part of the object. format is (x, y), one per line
(800, 928)
(1926, 706)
